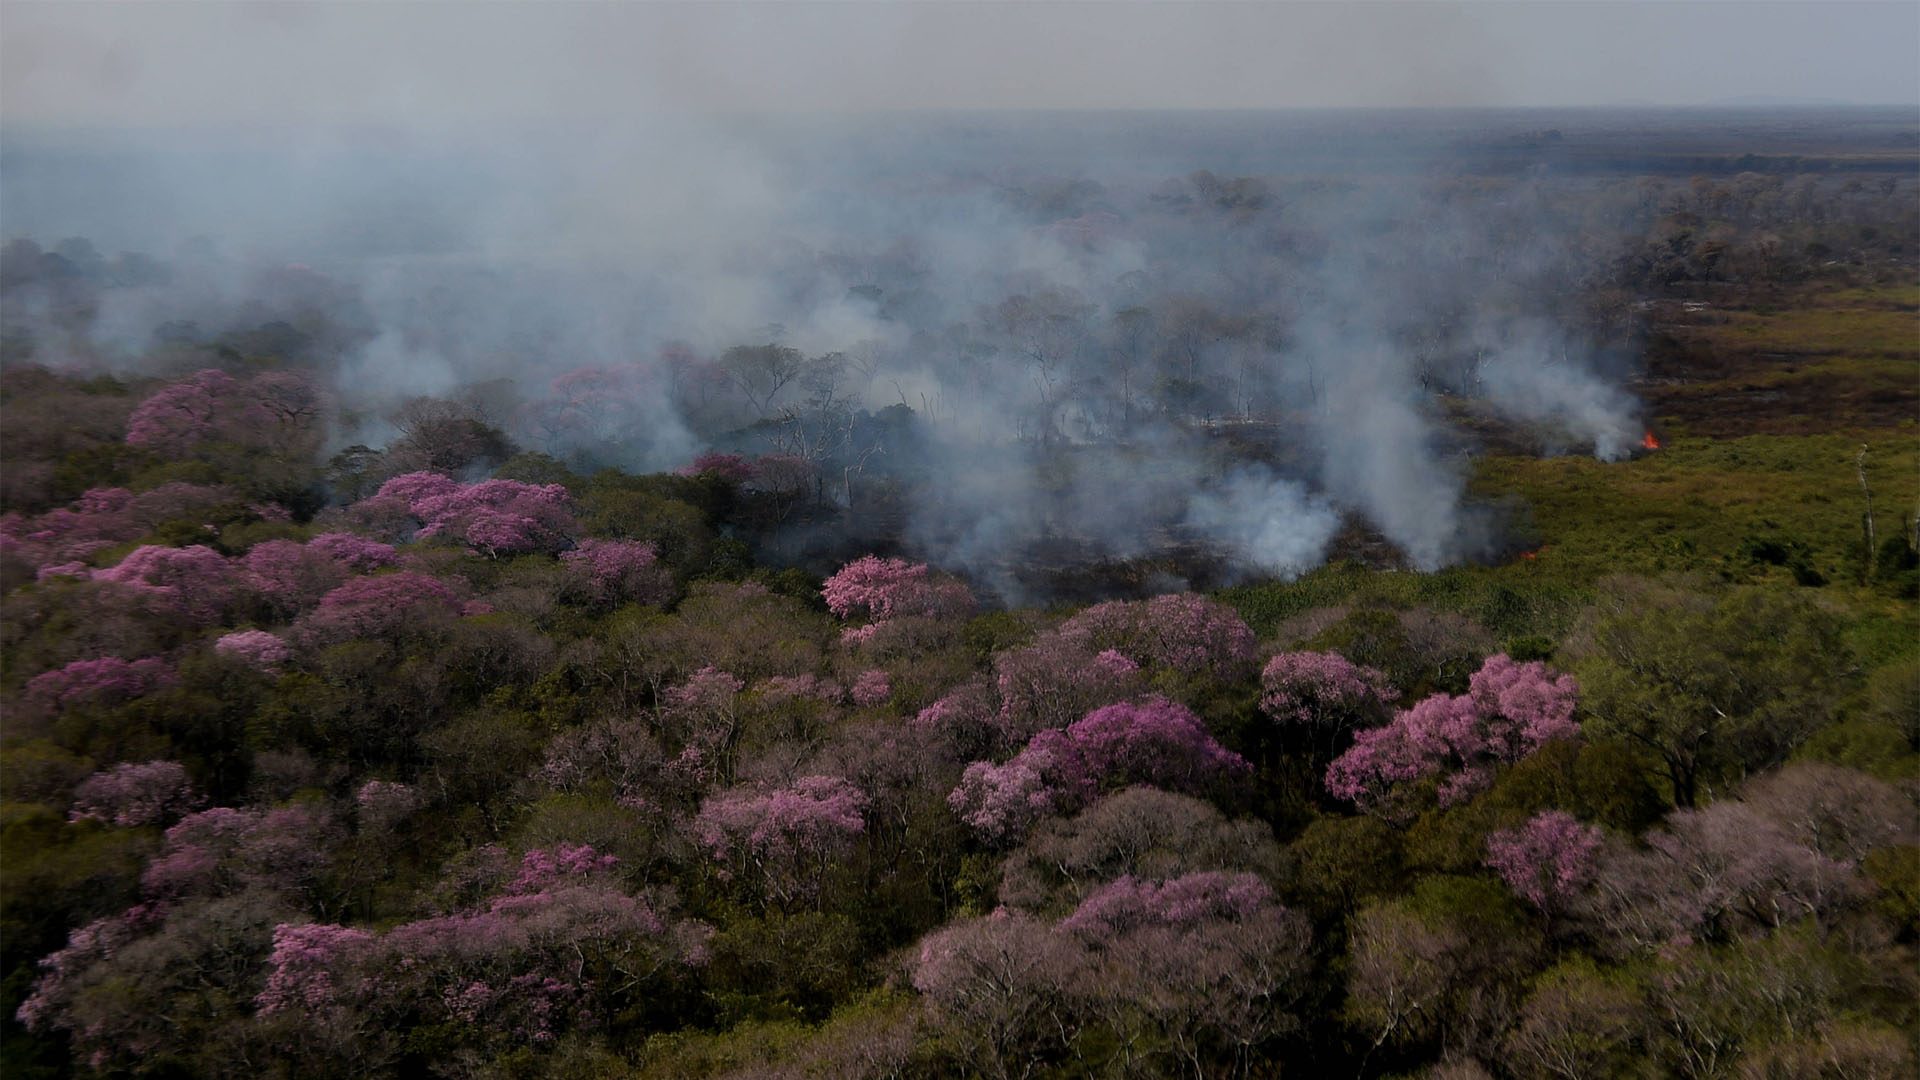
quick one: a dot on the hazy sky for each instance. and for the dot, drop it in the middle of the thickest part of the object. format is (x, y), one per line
(453, 65)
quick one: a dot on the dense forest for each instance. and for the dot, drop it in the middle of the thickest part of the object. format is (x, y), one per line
(1316, 625)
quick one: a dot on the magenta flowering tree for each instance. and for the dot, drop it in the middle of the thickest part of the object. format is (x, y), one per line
(181, 415)
(1055, 681)
(1001, 802)
(965, 722)
(608, 573)
(289, 577)
(1508, 713)
(224, 850)
(1202, 969)
(100, 518)
(883, 589)
(500, 517)
(414, 487)
(1002, 986)
(386, 606)
(493, 517)
(781, 689)
(105, 681)
(1129, 903)
(782, 842)
(258, 649)
(57, 1001)
(1182, 631)
(733, 468)
(134, 794)
(356, 553)
(274, 411)
(1140, 831)
(193, 583)
(1788, 848)
(1189, 975)
(544, 868)
(558, 948)
(1323, 690)
(1546, 861)
(704, 715)
(870, 688)
(305, 963)
(1316, 701)
(1155, 742)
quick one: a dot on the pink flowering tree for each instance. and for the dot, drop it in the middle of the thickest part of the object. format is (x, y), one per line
(183, 414)
(191, 583)
(277, 411)
(356, 553)
(1316, 700)
(598, 405)
(559, 947)
(704, 714)
(781, 843)
(225, 850)
(1181, 631)
(103, 517)
(385, 606)
(733, 468)
(882, 589)
(1202, 969)
(965, 723)
(500, 517)
(289, 577)
(1055, 681)
(870, 688)
(134, 794)
(1129, 903)
(608, 573)
(493, 517)
(59, 999)
(100, 518)
(1001, 802)
(1510, 711)
(1155, 742)
(1002, 987)
(1546, 861)
(108, 680)
(1322, 690)
(1191, 975)
(258, 649)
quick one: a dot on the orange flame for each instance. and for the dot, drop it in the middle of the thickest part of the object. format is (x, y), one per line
(1529, 554)
(1647, 440)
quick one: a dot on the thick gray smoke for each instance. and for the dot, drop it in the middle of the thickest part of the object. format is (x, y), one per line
(1113, 332)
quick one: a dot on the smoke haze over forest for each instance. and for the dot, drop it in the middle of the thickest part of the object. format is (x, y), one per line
(1118, 329)
(932, 540)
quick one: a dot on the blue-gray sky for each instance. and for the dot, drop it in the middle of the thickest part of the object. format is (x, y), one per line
(169, 64)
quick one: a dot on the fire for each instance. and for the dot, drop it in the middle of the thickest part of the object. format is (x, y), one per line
(1529, 554)
(1647, 440)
